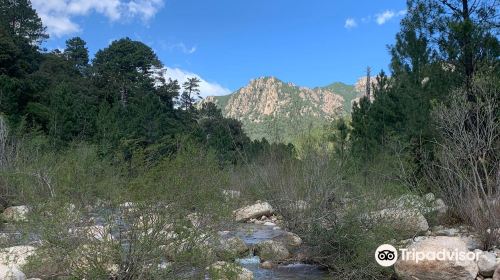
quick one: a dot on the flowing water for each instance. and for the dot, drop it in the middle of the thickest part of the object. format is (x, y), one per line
(252, 234)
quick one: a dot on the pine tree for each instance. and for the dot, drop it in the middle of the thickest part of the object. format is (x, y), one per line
(460, 33)
(125, 68)
(168, 92)
(77, 53)
(22, 21)
(191, 93)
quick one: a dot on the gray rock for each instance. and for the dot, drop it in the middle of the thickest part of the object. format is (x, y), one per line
(256, 210)
(447, 232)
(426, 205)
(11, 273)
(407, 219)
(429, 197)
(228, 271)
(487, 263)
(271, 250)
(472, 242)
(233, 246)
(439, 207)
(409, 269)
(496, 275)
(289, 239)
(409, 201)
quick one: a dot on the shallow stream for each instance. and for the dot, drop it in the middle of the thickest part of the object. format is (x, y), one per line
(252, 234)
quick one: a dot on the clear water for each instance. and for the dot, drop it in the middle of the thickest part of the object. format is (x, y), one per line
(291, 271)
(252, 234)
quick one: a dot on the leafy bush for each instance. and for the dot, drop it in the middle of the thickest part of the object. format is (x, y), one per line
(97, 220)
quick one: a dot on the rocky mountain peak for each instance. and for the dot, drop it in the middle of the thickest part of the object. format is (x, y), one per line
(267, 102)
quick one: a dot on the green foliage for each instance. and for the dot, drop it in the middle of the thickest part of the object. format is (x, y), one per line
(437, 50)
(324, 202)
(124, 69)
(120, 102)
(174, 177)
(224, 135)
(71, 190)
(45, 174)
(168, 92)
(77, 53)
(21, 21)
(190, 94)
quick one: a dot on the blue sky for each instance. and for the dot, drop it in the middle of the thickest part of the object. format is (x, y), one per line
(228, 42)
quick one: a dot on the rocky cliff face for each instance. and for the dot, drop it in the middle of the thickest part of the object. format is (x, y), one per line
(360, 88)
(280, 111)
(265, 97)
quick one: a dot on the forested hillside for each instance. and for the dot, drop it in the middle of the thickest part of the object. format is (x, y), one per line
(118, 100)
(281, 112)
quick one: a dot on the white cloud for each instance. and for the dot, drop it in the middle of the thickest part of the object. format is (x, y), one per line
(388, 15)
(206, 88)
(384, 17)
(59, 25)
(146, 9)
(402, 13)
(350, 23)
(380, 18)
(57, 14)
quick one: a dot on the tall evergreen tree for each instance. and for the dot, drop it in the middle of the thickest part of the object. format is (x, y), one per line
(22, 21)
(125, 68)
(77, 53)
(168, 92)
(460, 33)
(191, 93)
(20, 31)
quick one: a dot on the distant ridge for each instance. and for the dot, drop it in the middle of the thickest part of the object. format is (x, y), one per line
(280, 111)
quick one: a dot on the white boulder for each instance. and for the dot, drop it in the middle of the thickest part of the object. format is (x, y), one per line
(433, 266)
(487, 263)
(11, 273)
(253, 211)
(408, 219)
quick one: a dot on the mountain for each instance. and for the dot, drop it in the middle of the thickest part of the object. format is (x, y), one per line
(348, 92)
(279, 111)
